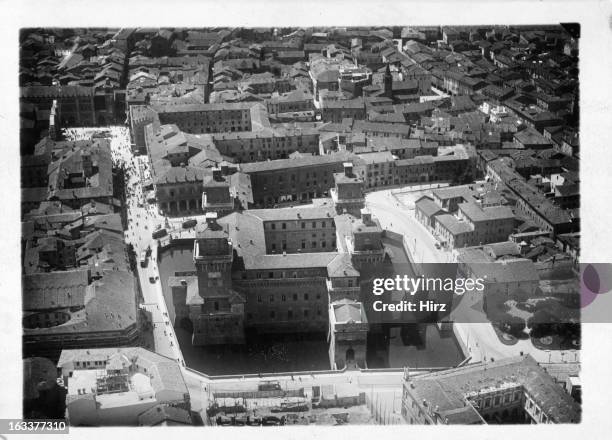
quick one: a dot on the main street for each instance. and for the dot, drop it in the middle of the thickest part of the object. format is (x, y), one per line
(142, 220)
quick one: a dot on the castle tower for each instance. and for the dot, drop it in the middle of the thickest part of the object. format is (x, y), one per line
(348, 324)
(216, 194)
(212, 255)
(348, 333)
(365, 243)
(347, 193)
(216, 311)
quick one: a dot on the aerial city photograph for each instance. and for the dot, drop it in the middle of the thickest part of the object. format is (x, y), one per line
(234, 226)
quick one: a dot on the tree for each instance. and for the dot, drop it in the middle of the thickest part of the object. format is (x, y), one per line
(511, 324)
(542, 323)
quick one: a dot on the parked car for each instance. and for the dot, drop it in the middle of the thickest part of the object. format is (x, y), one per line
(143, 259)
(272, 421)
(189, 223)
(224, 421)
(159, 233)
(269, 385)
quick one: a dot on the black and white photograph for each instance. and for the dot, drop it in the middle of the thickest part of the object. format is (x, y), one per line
(242, 223)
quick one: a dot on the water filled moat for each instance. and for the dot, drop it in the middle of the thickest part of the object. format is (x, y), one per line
(388, 345)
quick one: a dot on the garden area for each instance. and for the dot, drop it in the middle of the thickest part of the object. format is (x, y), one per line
(551, 323)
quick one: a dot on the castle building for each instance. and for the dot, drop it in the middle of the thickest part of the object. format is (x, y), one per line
(286, 270)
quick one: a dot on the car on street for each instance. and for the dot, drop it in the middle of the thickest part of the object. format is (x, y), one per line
(143, 259)
(159, 233)
(189, 223)
(437, 245)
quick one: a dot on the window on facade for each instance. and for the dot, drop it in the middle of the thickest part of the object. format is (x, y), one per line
(273, 226)
(305, 313)
(295, 297)
(314, 224)
(303, 225)
(314, 244)
(290, 314)
(284, 225)
(272, 314)
(271, 298)
(284, 298)
(270, 274)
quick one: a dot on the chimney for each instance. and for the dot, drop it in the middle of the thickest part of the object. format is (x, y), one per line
(348, 169)
(216, 173)
(211, 218)
(366, 216)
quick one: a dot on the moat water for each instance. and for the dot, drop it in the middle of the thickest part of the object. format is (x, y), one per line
(297, 352)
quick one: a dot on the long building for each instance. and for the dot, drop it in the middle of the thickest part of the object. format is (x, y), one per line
(75, 103)
(206, 118)
(297, 179)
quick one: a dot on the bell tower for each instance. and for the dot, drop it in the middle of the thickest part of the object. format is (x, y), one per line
(388, 82)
